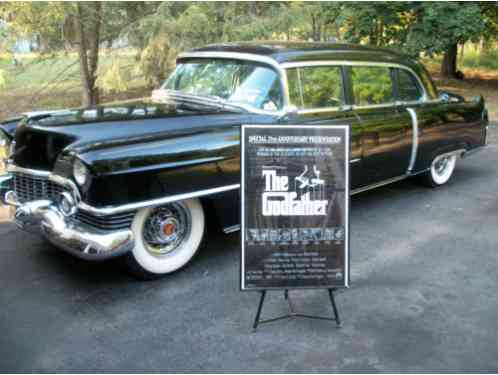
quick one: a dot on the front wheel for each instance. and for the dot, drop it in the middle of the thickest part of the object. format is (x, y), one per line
(166, 238)
(441, 170)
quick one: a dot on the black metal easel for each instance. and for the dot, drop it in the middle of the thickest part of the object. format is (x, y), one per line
(292, 313)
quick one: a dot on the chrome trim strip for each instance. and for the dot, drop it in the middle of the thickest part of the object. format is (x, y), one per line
(378, 184)
(317, 110)
(111, 210)
(233, 228)
(473, 151)
(413, 156)
(352, 161)
(34, 172)
(458, 152)
(49, 175)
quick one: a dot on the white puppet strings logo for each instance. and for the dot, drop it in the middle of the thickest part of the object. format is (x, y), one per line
(278, 201)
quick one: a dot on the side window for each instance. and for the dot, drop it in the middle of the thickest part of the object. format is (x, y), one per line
(408, 89)
(315, 87)
(372, 85)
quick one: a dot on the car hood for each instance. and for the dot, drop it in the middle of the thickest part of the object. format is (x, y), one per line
(88, 129)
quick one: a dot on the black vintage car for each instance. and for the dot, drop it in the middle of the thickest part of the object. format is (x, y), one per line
(142, 178)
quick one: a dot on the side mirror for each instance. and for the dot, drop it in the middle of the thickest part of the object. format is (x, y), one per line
(444, 97)
(448, 97)
(290, 111)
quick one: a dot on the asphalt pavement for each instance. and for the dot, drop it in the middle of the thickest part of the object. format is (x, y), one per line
(424, 297)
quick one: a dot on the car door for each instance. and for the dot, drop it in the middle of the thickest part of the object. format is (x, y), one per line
(318, 92)
(386, 129)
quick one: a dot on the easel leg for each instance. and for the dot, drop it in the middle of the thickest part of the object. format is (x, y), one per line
(334, 307)
(260, 307)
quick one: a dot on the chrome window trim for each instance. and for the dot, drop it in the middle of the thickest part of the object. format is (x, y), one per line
(424, 98)
(248, 57)
(317, 110)
(282, 70)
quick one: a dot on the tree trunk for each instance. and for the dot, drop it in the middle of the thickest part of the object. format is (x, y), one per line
(88, 38)
(449, 63)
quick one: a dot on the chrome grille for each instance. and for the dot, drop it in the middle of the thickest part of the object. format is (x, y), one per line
(29, 187)
(108, 222)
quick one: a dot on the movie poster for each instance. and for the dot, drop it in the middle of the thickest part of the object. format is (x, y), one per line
(295, 206)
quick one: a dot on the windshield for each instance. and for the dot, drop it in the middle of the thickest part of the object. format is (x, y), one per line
(238, 82)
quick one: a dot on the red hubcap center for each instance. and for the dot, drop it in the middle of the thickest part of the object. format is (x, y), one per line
(169, 229)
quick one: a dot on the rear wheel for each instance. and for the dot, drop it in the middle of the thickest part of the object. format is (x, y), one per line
(441, 170)
(166, 238)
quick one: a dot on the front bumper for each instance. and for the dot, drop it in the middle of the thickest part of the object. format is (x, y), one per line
(75, 238)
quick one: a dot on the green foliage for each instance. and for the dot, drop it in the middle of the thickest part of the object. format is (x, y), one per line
(438, 25)
(114, 79)
(371, 85)
(158, 31)
(3, 79)
(315, 87)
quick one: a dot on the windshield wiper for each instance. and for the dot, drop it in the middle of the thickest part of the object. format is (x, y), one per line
(206, 102)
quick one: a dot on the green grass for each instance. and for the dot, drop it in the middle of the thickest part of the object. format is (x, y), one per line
(53, 80)
(487, 59)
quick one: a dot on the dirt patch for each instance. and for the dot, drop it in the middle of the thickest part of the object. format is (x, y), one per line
(476, 82)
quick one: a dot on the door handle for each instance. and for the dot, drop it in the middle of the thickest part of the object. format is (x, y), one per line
(355, 160)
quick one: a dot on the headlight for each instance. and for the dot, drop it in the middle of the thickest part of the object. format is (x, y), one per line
(4, 150)
(80, 172)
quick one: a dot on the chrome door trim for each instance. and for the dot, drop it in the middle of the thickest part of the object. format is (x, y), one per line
(231, 229)
(413, 156)
(378, 184)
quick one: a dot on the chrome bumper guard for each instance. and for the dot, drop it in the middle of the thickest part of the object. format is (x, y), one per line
(75, 238)
(5, 185)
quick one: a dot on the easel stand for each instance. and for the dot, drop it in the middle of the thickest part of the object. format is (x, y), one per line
(292, 313)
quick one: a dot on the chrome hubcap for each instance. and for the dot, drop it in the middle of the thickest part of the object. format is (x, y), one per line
(441, 165)
(165, 228)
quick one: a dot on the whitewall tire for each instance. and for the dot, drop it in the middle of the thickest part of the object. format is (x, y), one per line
(166, 238)
(442, 168)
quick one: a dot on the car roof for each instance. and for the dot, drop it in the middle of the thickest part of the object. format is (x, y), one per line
(283, 52)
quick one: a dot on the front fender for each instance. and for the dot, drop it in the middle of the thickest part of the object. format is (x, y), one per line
(162, 168)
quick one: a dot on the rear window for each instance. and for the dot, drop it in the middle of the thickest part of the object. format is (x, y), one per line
(408, 88)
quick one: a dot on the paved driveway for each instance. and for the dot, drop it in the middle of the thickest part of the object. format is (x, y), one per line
(424, 297)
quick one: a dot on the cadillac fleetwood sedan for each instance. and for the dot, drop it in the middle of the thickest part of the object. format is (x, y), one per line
(141, 178)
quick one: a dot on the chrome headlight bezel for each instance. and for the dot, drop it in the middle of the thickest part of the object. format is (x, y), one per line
(81, 173)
